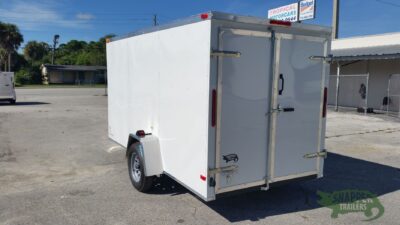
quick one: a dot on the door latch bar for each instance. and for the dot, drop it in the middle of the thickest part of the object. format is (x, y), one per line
(322, 154)
(226, 53)
(328, 59)
(277, 110)
(222, 169)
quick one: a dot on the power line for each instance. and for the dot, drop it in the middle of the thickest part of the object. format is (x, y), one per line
(388, 3)
(98, 18)
(49, 11)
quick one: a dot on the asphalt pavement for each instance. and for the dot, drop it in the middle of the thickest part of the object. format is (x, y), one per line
(57, 166)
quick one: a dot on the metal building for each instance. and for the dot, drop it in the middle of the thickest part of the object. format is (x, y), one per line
(367, 68)
(73, 74)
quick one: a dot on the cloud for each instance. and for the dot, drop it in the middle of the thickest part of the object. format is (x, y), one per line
(38, 15)
(84, 16)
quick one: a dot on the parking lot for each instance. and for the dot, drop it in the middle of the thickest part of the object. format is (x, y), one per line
(57, 166)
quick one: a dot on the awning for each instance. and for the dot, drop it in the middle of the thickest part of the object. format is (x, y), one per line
(383, 52)
(366, 57)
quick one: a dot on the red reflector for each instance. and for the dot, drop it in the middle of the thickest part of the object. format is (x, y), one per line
(214, 108)
(325, 102)
(203, 178)
(280, 22)
(204, 16)
(140, 133)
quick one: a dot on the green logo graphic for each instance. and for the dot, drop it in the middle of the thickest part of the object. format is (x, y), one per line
(348, 201)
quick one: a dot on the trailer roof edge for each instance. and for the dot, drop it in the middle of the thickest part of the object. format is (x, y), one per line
(220, 16)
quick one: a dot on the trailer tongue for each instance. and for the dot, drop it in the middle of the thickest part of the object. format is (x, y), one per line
(225, 102)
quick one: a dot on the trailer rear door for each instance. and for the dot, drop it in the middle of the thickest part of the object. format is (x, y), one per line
(244, 89)
(298, 104)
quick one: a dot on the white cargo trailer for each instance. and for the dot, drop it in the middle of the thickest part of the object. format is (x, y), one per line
(220, 102)
(7, 88)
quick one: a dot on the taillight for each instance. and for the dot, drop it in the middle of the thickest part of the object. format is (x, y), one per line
(214, 108)
(325, 102)
(203, 178)
(140, 133)
(280, 22)
(204, 16)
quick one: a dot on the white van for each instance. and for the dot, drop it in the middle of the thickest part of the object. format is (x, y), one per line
(7, 88)
(220, 102)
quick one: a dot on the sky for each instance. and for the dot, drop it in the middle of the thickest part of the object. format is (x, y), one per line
(91, 19)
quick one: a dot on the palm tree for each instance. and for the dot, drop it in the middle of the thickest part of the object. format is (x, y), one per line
(3, 54)
(10, 40)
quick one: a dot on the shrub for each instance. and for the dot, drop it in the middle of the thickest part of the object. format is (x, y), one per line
(23, 77)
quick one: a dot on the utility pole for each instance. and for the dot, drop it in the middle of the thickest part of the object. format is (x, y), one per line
(155, 22)
(55, 42)
(335, 19)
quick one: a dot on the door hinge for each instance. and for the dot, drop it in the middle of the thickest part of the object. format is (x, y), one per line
(222, 169)
(322, 154)
(226, 53)
(325, 59)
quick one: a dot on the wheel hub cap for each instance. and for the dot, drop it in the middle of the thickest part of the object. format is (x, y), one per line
(135, 165)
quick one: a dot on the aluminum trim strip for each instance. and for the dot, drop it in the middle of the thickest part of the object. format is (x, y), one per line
(293, 176)
(302, 37)
(251, 33)
(241, 186)
(213, 15)
(190, 189)
(219, 111)
(321, 121)
(274, 105)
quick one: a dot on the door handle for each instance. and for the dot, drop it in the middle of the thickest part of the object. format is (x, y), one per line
(282, 84)
(7, 85)
(289, 109)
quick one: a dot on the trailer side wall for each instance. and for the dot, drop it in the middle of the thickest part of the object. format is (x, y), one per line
(159, 82)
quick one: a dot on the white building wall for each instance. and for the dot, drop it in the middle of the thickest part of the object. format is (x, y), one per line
(379, 70)
(390, 39)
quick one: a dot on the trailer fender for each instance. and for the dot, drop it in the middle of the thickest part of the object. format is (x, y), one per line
(131, 140)
(150, 152)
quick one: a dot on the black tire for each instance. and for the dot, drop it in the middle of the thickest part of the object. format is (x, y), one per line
(12, 101)
(136, 174)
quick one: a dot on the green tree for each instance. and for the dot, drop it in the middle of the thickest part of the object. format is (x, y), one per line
(74, 52)
(77, 52)
(10, 40)
(35, 54)
(36, 51)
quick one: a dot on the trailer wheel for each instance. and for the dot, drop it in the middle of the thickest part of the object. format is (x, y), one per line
(136, 170)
